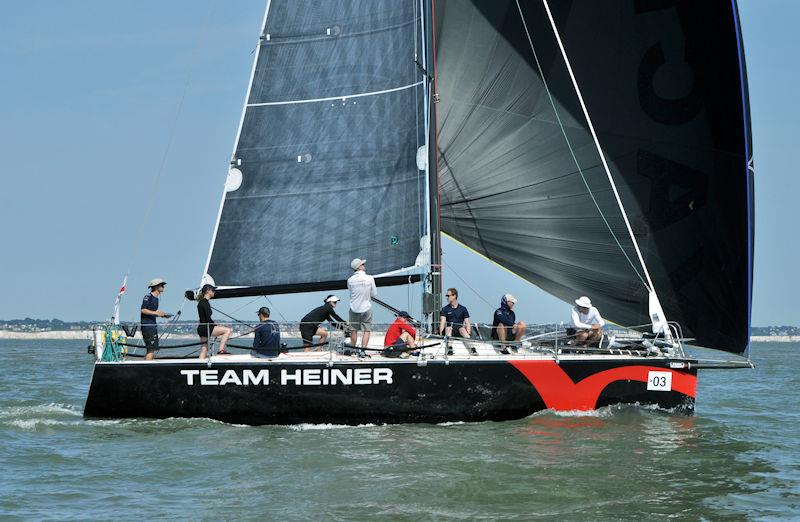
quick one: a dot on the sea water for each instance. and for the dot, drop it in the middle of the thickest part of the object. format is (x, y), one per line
(738, 457)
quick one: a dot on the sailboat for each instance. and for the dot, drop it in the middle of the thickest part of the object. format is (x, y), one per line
(591, 148)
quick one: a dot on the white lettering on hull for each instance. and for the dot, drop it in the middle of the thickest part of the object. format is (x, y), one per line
(251, 378)
(301, 377)
(296, 377)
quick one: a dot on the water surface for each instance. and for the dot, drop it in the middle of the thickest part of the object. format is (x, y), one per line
(737, 458)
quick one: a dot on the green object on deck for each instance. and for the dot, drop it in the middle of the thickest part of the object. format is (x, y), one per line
(111, 350)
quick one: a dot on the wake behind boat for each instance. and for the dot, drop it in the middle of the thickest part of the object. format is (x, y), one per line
(615, 164)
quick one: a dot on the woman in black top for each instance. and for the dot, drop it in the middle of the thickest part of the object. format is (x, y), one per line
(309, 325)
(207, 328)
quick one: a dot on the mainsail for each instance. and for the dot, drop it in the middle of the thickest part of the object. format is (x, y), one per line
(325, 163)
(522, 181)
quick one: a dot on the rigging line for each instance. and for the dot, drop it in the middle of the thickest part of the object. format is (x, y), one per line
(248, 303)
(276, 309)
(172, 132)
(575, 159)
(649, 284)
(164, 336)
(468, 285)
(231, 317)
(334, 98)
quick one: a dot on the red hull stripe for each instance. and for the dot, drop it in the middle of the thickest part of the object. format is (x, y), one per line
(560, 393)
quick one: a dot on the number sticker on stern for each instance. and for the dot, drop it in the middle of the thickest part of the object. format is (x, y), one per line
(659, 381)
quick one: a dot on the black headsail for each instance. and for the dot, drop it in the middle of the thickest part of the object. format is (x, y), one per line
(324, 168)
(522, 180)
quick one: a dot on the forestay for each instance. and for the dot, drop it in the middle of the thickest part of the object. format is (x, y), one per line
(522, 181)
(324, 168)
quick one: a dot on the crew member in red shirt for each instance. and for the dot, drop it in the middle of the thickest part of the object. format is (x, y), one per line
(400, 336)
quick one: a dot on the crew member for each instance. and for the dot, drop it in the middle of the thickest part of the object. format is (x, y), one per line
(267, 342)
(505, 326)
(148, 316)
(587, 322)
(310, 323)
(362, 290)
(454, 317)
(400, 337)
(207, 328)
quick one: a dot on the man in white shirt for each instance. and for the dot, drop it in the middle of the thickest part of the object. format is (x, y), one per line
(587, 322)
(362, 290)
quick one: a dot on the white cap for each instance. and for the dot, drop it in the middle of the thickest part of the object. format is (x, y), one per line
(583, 302)
(511, 299)
(332, 299)
(357, 262)
(155, 282)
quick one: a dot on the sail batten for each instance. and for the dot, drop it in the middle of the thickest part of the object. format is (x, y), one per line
(341, 97)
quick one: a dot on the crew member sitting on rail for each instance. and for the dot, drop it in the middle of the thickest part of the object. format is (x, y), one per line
(148, 316)
(505, 326)
(309, 324)
(400, 337)
(207, 328)
(587, 322)
(454, 318)
(267, 341)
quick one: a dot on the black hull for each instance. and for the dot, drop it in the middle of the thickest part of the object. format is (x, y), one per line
(377, 392)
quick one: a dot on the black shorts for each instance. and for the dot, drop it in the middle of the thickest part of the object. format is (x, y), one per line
(150, 336)
(204, 330)
(395, 349)
(509, 332)
(307, 332)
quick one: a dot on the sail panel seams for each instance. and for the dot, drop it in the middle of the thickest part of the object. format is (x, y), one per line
(663, 86)
(327, 177)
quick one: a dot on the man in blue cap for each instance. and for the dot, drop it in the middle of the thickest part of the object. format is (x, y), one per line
(267, 341)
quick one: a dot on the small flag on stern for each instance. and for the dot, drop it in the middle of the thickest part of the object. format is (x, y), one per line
(115, 319)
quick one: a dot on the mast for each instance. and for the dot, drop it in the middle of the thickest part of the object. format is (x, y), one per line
(432, 297)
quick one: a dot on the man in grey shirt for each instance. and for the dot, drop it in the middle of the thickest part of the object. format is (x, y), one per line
(362, 290)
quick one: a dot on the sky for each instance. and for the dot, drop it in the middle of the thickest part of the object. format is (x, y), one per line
(98, 97)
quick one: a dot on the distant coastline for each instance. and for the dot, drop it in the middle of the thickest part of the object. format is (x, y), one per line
(87, 335)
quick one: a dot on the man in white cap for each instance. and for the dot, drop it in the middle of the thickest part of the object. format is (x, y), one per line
(505, 326)
(149, 312)
(362, 290)
(587, 321)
